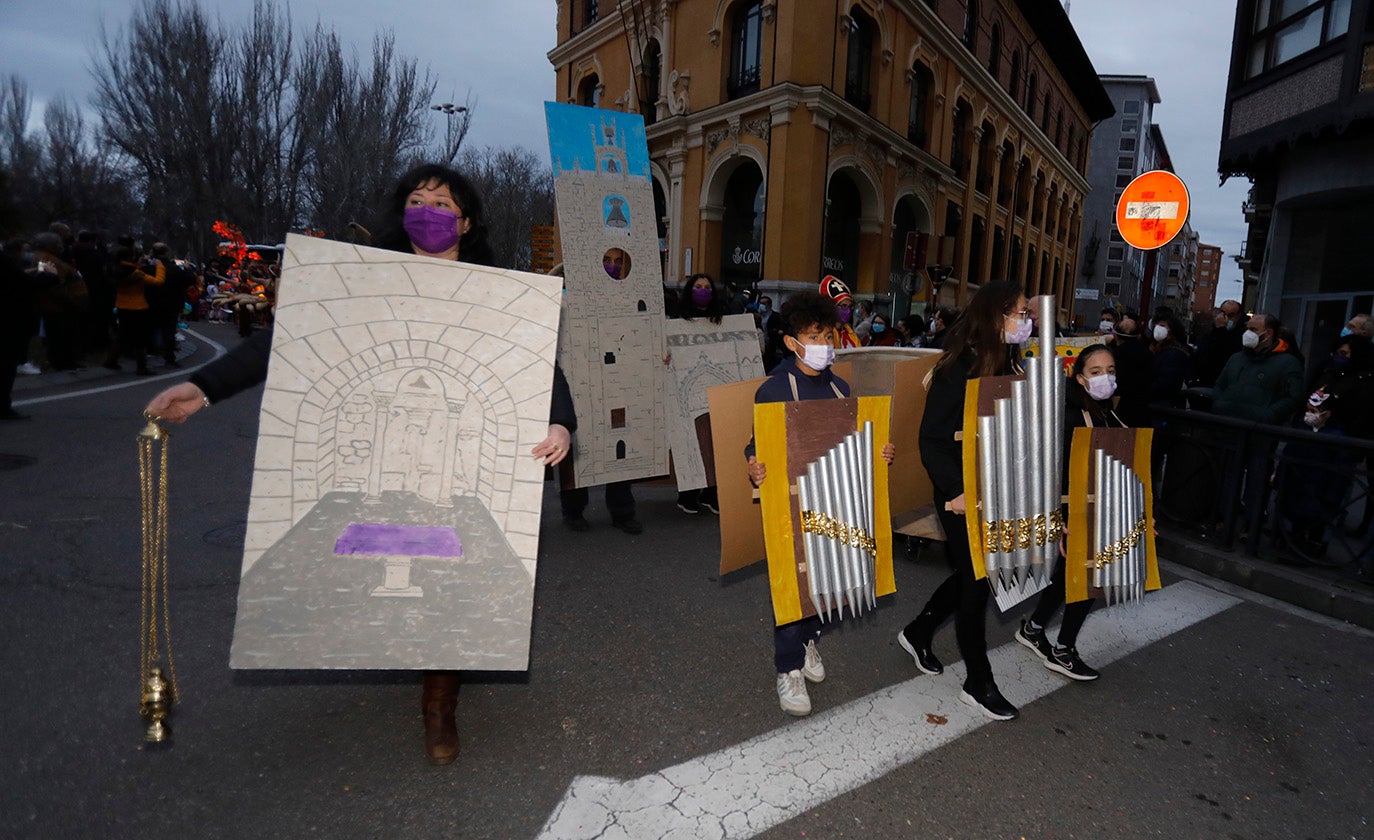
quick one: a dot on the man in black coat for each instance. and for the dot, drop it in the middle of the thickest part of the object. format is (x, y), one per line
(1217, 346)
(1134, 373)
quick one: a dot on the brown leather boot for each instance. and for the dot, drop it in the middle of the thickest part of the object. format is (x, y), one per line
(438, 702)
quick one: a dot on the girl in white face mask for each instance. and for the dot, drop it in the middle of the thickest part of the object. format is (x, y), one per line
(1089, 397)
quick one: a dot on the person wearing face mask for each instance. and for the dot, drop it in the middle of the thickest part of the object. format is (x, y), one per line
(1089, 396)
(1219, 344)
(701, 298)
(1134, 372)
(837, 292)
(1172, 362)
(435, 212)
(880, 334)
(810, 320)
(1106, 327)
(1263, 383)
(983, 342)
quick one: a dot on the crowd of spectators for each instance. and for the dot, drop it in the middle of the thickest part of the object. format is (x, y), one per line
(89, 301)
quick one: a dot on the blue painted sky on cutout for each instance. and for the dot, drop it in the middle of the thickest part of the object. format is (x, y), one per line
(574, 132)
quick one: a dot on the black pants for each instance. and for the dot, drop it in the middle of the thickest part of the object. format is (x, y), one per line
(620, 501)
(14, 351)
(132, 331)
(702, 495)
(63, 338)
(1050, 601)
(961, 596)
(789, 643)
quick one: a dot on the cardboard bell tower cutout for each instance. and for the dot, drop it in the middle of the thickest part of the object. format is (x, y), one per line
(611, 341)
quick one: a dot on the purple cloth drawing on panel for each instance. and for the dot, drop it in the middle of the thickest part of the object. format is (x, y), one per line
(398, 540)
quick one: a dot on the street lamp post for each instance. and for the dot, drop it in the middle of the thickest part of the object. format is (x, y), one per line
(456, 127)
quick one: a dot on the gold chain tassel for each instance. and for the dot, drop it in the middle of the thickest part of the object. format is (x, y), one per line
(156, 692)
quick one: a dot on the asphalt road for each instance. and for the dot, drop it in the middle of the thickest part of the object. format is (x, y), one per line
(1252, 722)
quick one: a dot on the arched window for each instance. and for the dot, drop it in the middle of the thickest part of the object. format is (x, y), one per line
(1045, 114)
(995, 52)
(741, 227)
(986, 159)
(589, 91)
(918, 110)
(1031, 85)
(859, 70)
(1059, 130)
(840, 247)
(971, 25)
(958, 147)
(1015, 88)
(651, 73)
(746, 50)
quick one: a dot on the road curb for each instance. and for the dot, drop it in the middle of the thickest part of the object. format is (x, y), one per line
(1301, 587)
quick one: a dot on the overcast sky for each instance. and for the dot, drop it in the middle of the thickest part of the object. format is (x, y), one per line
(497, 48)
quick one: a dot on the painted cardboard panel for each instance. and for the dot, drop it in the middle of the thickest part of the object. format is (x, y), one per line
(732, 425)
(790, 436)
(704, 355)
(611, 343)
(394, 515)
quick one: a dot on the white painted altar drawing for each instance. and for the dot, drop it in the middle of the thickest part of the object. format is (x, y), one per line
(704, 355)
(394, 515)
(611, 345)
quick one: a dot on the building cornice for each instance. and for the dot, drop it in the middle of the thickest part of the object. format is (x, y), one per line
(592, 38)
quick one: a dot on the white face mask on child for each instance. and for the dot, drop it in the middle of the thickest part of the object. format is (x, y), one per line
(818, 357)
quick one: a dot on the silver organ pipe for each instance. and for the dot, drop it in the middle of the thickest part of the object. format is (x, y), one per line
(838, 519)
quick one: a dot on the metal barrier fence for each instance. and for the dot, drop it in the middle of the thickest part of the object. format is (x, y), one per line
(1304, 493)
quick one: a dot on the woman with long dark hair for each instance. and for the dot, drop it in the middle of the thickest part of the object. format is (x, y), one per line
(434, 212)
(1088, 395)
(982, 342)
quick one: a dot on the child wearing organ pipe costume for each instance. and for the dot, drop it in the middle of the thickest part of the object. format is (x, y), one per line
(982, 342)
(1089, 404)
(700, 298)
(804, 374)
(433, 212)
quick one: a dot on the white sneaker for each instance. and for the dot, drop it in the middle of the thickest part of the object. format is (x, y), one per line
(792, 696)
(28, 369)
(814, 668)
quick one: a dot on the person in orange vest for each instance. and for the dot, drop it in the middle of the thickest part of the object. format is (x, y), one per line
(835, 289)
(132, 274)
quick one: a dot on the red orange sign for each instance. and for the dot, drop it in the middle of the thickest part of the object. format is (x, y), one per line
(1152, 210)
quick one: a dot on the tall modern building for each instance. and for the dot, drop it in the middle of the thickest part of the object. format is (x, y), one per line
(866, 139)
(1206, 278)
(1299, 125)
(1112, 273)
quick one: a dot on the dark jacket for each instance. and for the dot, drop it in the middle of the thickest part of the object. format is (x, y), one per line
(1169, 374)
(1213, 352)
(1264, 386)
(941, 454)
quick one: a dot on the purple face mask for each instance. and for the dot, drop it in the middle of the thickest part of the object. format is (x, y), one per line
(701, 297)
(432, 230)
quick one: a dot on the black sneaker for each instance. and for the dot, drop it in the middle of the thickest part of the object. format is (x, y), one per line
(688, 508)
(990, 702)
(712, 505)
(577, 523)
(925, 660)
(1035, 641)
(1065, 661)
(629, 525)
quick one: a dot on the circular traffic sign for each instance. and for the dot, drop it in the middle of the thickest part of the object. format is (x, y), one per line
(1152, 210)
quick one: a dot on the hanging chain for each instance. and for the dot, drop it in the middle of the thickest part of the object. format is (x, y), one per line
(154, 640)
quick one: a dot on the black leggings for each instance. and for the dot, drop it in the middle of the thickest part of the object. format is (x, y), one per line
(1050, 601)
(961, 596)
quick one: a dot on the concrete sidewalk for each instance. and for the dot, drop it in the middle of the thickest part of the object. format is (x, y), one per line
(1330, 591)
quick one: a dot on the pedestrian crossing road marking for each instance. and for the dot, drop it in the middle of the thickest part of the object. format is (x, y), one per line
(743, 790)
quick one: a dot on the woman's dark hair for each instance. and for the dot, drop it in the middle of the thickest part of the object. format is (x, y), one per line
(1178, 334)
(1077, 396)
(687, 309)
(1361, 352)
(472, 247)
(979, 330)
(805, 309)
(914, 324)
